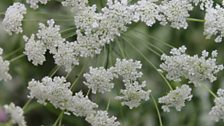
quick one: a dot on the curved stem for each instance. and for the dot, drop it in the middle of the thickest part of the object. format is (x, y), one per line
(196, 20)
(16, 58)
(157, 109)
(149, 62)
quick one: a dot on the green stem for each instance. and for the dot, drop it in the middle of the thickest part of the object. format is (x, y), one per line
(108, 105)
(54, 70)
(16, 58)
(210, 91)
(149, 62)
(157, 109)
(121, 50)
(12, 53)
(58, 119)
(26, 104)
(40, 20)
(87, 94)
(76, 80)
(195, 20)
(67, 30)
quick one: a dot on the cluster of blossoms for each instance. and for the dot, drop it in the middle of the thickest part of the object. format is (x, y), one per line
(195, 68)
(4, 68)
(99, 79)
(97, 28)
(176, 98)
(57, 92)
(34, 3)
(13, 18)
(214, 23)
(217, 112)
(16, 114)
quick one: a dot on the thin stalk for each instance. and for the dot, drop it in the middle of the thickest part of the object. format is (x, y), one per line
(88, 92)
(157, 109)
(195, 20)
(37, 20)
(149, 62)
(12, 53)
(16, 58)
(108, 105)
(54, 70)
(70, 35)
(26, 104)
(155, 38)
(67, 30)
(210, 91)
(76, 80)
(121, 50)
(58, 119)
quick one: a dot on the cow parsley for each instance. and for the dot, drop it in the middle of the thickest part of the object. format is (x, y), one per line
(15, 114)
(99, 80)
(197, 69)
(4, 68)
(214, 24)
(217, 111)
(34, 3)
(13, 18)
(176, 98)
(101, 118)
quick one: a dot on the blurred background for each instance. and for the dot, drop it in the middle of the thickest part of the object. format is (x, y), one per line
(151, 41)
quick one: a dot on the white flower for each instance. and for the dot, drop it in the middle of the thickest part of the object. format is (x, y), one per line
(146, 11)
(66, 56)
(4, 68)
(99, 80)
(13, 18)
(195, 68)
(175, 12)
(133, 94)
(176, 98)
(35, 50)
(217, 111)
(75, 5)
(204, 4)
(101, 118)
(50, 35)
(127, 69)
(34, 3)
(214, 23)
(81, 105)
(56, 91)
(16, 114)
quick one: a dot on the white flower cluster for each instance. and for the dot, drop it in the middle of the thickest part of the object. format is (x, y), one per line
(15, 114)
(4, 68)
(175, 12)
(101, 118)
(217, 111)
(34, 3)
(214, 23)
(13, 18)
(99, 80)
(195, 68)
(57, 92)
(134, 91)
(49, 38)
(176, 98)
